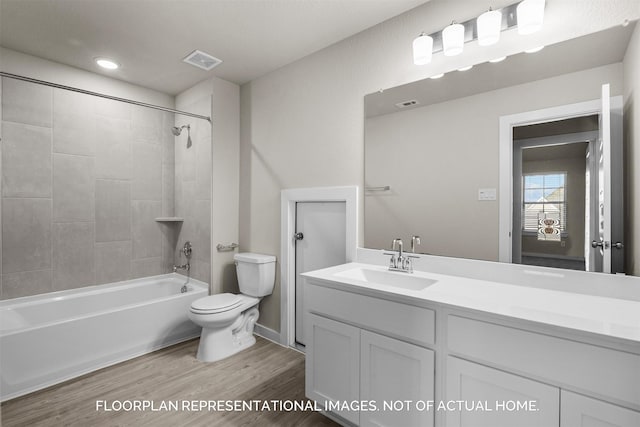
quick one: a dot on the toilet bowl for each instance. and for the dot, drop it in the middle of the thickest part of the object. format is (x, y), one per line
(227, 319)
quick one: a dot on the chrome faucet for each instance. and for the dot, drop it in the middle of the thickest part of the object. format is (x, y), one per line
(399, 261)
(185, 267)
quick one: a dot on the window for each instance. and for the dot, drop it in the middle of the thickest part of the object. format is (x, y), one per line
(543, 193)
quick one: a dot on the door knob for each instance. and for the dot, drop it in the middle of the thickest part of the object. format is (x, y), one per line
(617, 245)
(298, 236)
(595, 244)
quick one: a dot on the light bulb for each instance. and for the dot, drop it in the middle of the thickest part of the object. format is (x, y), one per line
(489, 24)
(422, 49)
(453, 39)
(530, 16)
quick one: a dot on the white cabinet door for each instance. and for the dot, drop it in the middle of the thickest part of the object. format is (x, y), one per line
(332, 364)
(489, 393)
(400, 374)
(581, 411)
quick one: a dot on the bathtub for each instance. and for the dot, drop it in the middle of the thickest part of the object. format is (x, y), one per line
(46, 339)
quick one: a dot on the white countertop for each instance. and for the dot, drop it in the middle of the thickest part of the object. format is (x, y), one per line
(612, 317)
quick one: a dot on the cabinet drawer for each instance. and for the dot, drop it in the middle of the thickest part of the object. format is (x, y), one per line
(407, 322)
(570, 364)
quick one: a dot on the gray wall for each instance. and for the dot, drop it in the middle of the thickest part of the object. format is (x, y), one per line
(83, 179)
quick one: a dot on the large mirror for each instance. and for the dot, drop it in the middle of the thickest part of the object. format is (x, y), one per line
(432, 149)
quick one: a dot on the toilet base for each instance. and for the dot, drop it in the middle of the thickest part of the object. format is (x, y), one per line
(217, 344)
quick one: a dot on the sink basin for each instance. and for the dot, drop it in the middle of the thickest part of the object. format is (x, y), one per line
(409, 281)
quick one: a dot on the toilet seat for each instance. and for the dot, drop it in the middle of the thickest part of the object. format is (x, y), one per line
(218, 303)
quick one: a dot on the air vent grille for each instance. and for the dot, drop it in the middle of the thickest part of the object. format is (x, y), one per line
(409, 103)
(202, 60)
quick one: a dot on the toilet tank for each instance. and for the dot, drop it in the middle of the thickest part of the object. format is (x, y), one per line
(256, 273)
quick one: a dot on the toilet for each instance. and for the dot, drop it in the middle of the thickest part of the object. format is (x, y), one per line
(227, 320)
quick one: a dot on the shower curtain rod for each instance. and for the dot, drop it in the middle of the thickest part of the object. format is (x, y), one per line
(101, 95)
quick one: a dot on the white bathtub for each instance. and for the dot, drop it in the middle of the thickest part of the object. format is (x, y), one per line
(46, 339)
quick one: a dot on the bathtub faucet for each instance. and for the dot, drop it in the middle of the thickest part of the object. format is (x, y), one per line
(185, 267)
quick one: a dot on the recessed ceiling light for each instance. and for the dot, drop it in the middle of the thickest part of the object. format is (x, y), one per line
(502, 58)
(107, 63)
(467, 68)
(535, 49)
(437, 76)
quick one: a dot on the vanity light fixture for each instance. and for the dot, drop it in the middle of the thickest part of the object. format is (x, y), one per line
(467, 68)
(453, 39)
(422, 49)
(489, 25)
(437, 76)
(107, 63)
(502, 58)
(534, 50)
(530, 16)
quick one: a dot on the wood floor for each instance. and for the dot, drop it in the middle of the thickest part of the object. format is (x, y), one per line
(263, 372)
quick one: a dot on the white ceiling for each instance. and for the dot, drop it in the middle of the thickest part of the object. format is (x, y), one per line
(150, 38)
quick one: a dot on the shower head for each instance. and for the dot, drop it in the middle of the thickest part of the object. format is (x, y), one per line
(178, 130)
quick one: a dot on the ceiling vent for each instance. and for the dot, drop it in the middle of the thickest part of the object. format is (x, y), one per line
(202, 60)
(405, 104)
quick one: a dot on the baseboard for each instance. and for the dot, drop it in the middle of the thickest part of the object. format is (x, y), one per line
(267, 333)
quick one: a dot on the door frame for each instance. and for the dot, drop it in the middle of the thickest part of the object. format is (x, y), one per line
(507, 123)
(288, 200)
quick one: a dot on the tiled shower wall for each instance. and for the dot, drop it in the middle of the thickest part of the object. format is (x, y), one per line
(83, 179)
(193, 187)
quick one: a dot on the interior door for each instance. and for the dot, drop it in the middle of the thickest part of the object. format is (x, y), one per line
(607, 244)
(320, 243)
(603, 238)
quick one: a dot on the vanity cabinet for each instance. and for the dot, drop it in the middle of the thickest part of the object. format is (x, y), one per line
(486, 369)
(383, 376)
(490, 396)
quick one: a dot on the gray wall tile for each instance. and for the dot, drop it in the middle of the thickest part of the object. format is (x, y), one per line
(147, 126)
(112, 109)
(28, 103)
(170, 233)
(73, 257)
(15, 285)
(73, 188)
(65, 101)
(146, 267)
(202, 233)
(113, 210)
(188, 160)
(168, 140)
(26, 160)
(113, 261)
(26, 235)
(74, 133)
(113, 148)
(168, 189)
(147, 172)
(146, 232)
(203, 169)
